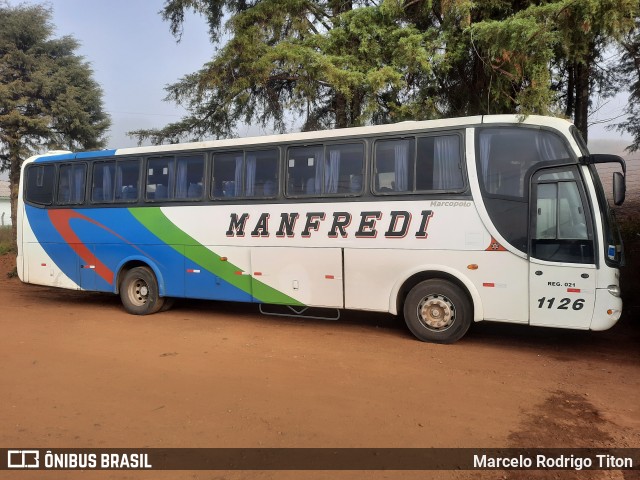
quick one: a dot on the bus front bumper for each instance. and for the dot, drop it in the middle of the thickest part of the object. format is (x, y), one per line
(607, 310)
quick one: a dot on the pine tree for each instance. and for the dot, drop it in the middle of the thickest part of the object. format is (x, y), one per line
(630, 74)
(48, 98)
(339, 63)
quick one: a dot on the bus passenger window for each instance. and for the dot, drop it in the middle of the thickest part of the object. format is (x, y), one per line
(261, 175)
(226, 181)
(126, 182)
(190, 177)
(103, 182)
(304, 170)
(439, 164)
(160, 178)
(343, 169)
(71, 184)
(394, 166)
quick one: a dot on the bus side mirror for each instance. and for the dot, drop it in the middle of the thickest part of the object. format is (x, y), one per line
(619, 188)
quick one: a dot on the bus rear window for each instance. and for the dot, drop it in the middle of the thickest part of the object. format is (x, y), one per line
(40, 179)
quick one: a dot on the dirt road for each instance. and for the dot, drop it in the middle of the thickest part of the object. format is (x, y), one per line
(79, 372)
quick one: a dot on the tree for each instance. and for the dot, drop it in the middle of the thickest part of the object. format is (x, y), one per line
(341, 63)
(630, 74)
(48, 98)
(328, 63)
(557, 51)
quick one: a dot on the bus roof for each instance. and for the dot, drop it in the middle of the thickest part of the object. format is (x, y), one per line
(407, 126)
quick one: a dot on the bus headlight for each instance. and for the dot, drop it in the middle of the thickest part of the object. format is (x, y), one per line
(614, 290)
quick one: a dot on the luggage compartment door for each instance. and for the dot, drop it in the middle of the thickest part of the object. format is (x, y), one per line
(293, 276)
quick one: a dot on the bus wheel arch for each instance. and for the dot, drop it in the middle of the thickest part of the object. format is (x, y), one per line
(139, 291)
(437, 306)
(130, 263)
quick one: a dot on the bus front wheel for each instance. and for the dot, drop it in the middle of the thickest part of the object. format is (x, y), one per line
(139, 292)
(437, 311)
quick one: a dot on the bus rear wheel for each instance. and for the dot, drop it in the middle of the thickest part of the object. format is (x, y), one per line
(139, 292)
(437, 311)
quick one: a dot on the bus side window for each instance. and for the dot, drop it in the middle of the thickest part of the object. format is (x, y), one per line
(71, 184)
(561, 232)
(305, 170)
(190, 177)
(394, 166)
(160, 178)
(343, 169)
(40, 179)
(439, 164)
(261, 174)
(505, 156)
(103, 182)
(226, 180)
(127, 180)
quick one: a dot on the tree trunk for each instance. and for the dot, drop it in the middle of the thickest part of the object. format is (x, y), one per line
(570, 90)
(342, 116)
(582, 77)
(14, 183)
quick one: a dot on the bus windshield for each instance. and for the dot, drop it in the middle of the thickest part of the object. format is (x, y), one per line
(614, 250)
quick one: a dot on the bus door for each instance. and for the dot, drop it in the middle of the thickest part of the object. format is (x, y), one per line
(562, 270)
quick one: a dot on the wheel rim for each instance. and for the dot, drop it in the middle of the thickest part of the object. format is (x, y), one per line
(436, 312)
(138, 292)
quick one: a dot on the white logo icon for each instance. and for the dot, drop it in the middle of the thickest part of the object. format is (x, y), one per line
(23, 459)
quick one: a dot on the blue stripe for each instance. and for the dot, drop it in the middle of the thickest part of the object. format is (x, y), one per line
(96, 154)
(76, 156)
(53, 158)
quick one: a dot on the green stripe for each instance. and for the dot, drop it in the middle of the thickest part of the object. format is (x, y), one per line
(158, 224)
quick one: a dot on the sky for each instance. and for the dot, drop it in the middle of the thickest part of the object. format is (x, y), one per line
(134, 56)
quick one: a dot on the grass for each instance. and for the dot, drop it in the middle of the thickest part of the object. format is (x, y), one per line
(6, 244)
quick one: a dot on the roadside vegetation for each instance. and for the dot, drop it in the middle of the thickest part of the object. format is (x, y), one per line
(8, 247)
(630, 277)
(6, 240)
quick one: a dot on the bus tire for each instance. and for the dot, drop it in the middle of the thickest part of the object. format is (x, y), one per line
(169, 302)
(139, 292)
(437, 311)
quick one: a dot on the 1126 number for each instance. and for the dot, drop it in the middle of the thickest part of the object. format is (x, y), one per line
(563, 304)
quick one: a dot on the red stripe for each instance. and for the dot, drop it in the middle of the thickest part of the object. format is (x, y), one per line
(573, 290)
(488, 284)
(60, 220)
(257, 274)
(329, 277)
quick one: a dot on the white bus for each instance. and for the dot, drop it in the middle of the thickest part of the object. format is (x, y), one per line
(444, 222)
